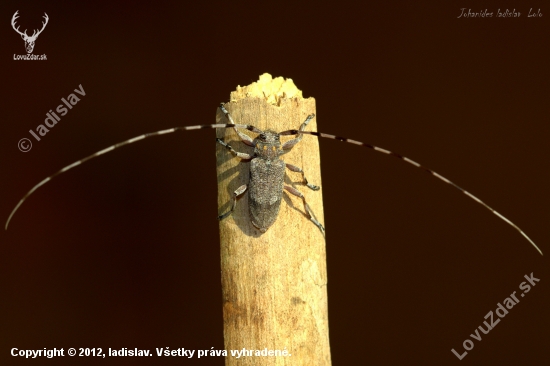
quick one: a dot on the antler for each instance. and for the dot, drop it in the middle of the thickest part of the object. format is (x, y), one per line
(24, 34)
(43, 26)
(15, 16)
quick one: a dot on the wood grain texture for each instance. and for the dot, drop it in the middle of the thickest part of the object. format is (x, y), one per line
(274, 284)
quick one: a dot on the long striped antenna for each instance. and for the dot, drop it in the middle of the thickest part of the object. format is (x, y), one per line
(376, 148)
(128, 142)
(247, 140)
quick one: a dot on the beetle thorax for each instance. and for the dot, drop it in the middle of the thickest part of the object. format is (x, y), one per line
(268, 145)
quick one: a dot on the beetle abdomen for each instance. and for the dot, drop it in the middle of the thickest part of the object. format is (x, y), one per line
(265, 191)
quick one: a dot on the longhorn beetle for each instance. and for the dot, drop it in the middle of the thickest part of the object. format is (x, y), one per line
(267, 170)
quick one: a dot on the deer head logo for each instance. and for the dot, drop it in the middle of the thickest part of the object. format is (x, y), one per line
(29, 41)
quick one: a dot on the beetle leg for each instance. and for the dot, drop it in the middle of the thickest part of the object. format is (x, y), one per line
(296, 169)
(287, 146)
(236, 195)
(309, 213)
(241, 155)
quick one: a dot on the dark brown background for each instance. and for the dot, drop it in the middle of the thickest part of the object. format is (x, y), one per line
(123, 251)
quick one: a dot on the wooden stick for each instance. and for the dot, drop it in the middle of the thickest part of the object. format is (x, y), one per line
(274, 284)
